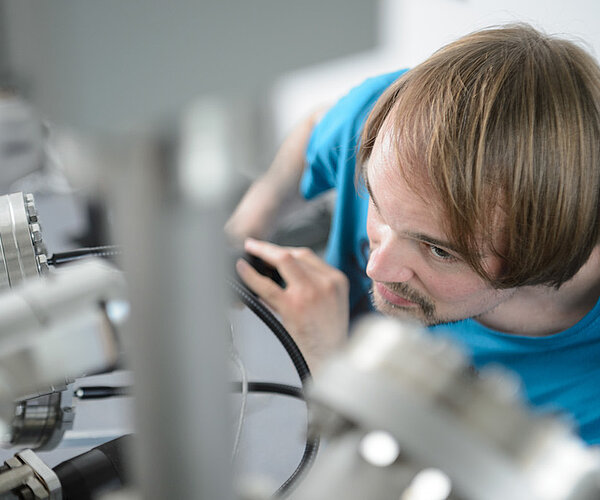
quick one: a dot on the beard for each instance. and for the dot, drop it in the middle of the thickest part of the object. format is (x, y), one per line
(423, 311)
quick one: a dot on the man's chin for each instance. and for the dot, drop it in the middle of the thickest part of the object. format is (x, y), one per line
(388, 309)
(403, 313)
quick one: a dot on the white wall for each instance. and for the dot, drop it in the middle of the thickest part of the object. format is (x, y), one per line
(410, 30)
(415, 28)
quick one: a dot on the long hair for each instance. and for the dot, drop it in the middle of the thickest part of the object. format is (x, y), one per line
(504, 127)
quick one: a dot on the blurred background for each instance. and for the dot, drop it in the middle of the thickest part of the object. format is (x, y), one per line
(117, 65)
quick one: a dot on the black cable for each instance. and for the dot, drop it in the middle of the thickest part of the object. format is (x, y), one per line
(272, 388)
(312, 443)
(267, 317)
(104, 391)
(103, 251)
(101, 391)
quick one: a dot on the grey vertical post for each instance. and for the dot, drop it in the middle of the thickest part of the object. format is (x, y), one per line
(171, 214)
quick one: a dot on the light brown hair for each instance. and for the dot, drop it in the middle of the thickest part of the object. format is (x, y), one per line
(505, 120)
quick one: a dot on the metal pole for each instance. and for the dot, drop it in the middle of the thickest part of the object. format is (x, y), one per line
(171, 214)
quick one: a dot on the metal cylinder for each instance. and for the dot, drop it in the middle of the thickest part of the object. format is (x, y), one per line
(40, 422)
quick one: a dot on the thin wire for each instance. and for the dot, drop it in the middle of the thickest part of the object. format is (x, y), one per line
(235, 357)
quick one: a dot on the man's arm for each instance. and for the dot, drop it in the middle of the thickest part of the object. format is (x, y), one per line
(256, 211)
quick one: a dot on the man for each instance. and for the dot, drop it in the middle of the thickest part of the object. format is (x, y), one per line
(482, 167)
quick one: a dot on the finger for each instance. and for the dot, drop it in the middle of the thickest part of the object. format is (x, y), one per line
(290, 269)
(320, 270)
(309, 257)
(267, 251)
(265, 287)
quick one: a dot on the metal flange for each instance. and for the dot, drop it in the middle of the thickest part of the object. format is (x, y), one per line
(22, 251)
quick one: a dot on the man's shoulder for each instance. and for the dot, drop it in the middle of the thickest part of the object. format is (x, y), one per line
(362, 97)
(340, 126)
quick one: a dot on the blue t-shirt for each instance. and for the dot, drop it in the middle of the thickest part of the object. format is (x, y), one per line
(560, 372)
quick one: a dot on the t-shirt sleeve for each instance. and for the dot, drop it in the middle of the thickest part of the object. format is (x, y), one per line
(334, 141)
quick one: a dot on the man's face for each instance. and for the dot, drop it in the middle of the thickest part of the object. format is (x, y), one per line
(415, 272)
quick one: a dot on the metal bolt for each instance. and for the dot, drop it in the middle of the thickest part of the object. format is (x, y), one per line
(31, 210)
(36, 232)
(42, 262)
(40, 248)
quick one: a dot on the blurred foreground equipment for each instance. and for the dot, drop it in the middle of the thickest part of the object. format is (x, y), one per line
(407, 418)
(50, 330)
(53, 330)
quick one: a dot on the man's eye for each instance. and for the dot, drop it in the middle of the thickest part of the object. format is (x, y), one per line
(440, 253)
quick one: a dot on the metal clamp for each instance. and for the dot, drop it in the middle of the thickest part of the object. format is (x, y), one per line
(26, 472)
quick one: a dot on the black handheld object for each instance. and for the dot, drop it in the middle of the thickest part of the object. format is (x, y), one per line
(261, 266)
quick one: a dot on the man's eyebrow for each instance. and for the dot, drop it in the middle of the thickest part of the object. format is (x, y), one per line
(430, 240)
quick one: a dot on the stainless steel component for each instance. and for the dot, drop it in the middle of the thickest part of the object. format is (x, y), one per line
(15, 477)
(41, 421)
(474, 430)
(26, 472)
(52, 330)
(22, 249)
(44, 474)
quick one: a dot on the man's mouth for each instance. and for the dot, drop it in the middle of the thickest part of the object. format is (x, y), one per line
(392, 297)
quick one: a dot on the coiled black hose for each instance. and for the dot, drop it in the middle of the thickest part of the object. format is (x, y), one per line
(267, 317)
(312, 443)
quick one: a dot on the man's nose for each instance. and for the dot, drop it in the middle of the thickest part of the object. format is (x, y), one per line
(389, 262)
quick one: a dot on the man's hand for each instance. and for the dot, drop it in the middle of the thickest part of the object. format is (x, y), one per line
(313, 307)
